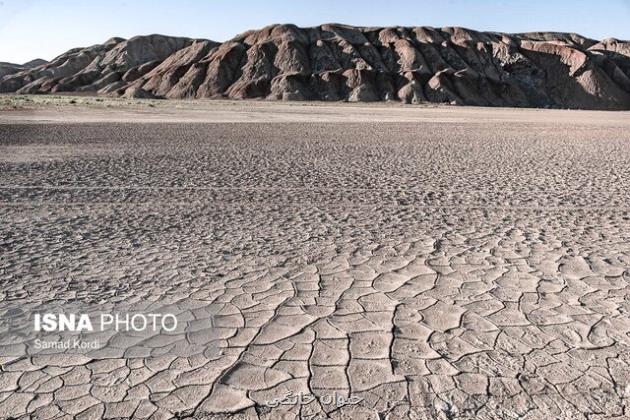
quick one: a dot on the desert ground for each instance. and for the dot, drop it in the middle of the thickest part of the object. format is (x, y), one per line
(420, 262)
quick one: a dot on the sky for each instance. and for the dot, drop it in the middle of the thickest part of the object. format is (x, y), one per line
(46, 28)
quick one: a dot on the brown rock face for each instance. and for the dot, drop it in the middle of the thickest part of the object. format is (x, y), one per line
(99, 68)
(11, 68)
(337, 62)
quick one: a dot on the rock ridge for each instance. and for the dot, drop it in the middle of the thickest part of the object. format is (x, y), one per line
(335, 62)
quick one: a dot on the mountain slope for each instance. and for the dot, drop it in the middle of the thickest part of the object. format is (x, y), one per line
(12, 68)
(338, 62)
(91, 69)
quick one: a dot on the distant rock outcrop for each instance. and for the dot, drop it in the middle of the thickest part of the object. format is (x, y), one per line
(34, 63)
(337, 62)
(96, 68)
(11, 68)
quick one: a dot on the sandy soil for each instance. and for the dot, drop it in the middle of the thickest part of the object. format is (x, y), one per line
(92, 109)
(437, 263)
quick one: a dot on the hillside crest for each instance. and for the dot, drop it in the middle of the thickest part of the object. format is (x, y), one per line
(336, 62)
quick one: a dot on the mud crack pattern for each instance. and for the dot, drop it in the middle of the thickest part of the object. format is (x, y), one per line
(446, 271)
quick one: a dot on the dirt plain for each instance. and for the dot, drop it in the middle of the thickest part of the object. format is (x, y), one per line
(431, 262)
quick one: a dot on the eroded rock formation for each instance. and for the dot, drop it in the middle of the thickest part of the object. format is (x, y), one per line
(337, 62)
(11, 68)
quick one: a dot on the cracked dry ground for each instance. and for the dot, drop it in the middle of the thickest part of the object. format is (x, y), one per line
(452, 270)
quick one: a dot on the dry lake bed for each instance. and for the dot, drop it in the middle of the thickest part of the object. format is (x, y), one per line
(326, 261)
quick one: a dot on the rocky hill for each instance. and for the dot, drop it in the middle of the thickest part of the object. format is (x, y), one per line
(337, 62)
(11, 68)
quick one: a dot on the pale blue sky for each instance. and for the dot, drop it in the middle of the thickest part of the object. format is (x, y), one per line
(46, 28)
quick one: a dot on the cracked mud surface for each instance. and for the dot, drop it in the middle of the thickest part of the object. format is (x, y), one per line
(451, 270)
